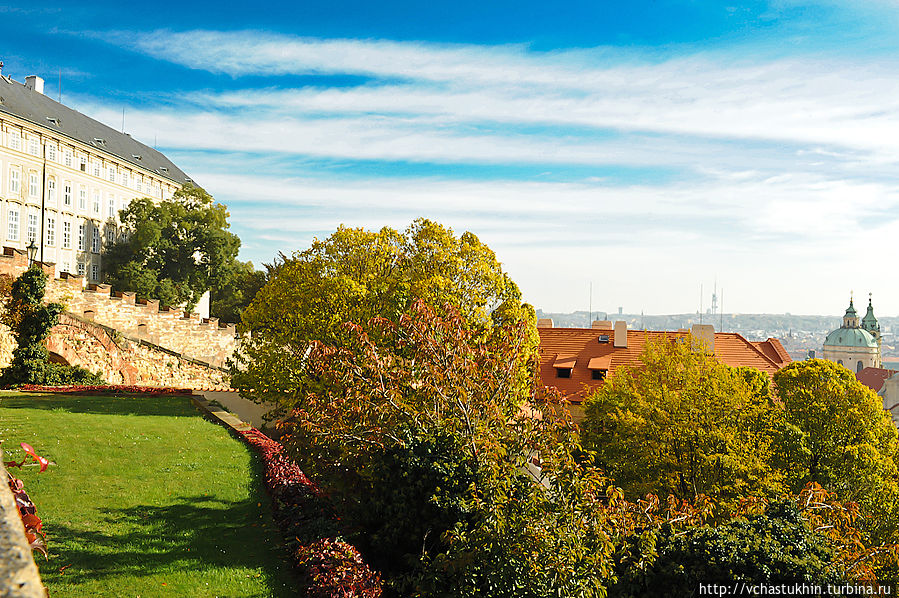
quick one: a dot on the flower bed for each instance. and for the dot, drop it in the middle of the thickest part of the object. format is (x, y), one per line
(107, 389)
(332, 567)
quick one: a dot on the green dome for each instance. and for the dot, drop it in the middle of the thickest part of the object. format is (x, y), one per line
(850, 337)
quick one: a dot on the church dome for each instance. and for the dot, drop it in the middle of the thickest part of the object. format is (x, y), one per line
(850, 337)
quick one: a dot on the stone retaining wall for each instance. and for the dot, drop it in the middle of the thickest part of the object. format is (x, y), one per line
(19, 577)
(121, 359)
(189, 335)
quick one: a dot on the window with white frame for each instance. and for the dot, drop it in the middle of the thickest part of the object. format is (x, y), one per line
(96, 170)
(126, 179)
(111, 213)
(15, 142)
(139, 185)
(82, 163)
(80, 268)
(33, 187)
(82, 198)
(51, 152)
(110, 235)
(32, 228)
(51, 190)
(15, 181)
(66, 234)
(67, 159)
(64, 267)
(34, 146)
(51, 231)
(96, 202)
(12, 218)
(81, 229)
(95, 239)
(110, 171)
(95, 271)
(67, 193)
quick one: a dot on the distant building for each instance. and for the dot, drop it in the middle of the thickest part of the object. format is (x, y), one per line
(577, 360)
(885, 383)
(855, 345)
(64, 177)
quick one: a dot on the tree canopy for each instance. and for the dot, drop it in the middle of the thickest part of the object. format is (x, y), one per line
(840, 437)
(173, 250)
(355, 275)
(681, 423)
(30, 320)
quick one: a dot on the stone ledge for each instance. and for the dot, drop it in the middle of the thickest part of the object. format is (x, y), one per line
(229, 420)
(19, 577)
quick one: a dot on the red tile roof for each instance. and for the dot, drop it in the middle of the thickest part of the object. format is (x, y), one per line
(582, 346)
(874, 378)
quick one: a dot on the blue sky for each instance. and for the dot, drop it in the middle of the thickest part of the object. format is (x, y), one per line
(648, 147)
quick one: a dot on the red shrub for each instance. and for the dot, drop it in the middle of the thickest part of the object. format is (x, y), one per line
(336, 570)
(333, 568)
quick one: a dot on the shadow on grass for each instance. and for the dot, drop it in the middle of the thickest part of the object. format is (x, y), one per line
(175, 406)
(195, 534)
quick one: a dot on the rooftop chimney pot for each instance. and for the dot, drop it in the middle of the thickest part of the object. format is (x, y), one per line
(34, 83)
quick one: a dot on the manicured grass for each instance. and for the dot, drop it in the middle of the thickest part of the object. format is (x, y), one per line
(144, 498)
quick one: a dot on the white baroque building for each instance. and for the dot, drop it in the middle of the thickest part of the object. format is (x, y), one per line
(64, 177)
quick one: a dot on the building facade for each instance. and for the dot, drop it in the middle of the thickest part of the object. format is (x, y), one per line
(855, 345)
(64, 177)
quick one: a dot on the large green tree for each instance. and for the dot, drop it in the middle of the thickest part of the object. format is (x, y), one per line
(840, 436)
(355, 275)
(679, 422)
(173, 250)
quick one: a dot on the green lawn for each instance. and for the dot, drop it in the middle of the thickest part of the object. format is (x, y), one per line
(144, 498)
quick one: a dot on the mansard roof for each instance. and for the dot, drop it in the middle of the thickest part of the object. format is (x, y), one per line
(48, 114)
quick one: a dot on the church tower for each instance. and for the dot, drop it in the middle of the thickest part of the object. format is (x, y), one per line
(870, 323)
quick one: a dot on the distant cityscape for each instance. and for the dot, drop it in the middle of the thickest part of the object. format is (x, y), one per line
(799, 334)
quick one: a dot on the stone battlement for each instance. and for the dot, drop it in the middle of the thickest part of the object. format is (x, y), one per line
(188, 334)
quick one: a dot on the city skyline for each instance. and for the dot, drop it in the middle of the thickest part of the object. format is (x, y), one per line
(647, 149)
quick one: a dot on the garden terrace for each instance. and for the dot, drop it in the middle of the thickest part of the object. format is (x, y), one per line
(144, 497)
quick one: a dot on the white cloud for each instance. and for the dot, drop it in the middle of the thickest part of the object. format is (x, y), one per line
(792, 234)
(783, 179)
(817, 101)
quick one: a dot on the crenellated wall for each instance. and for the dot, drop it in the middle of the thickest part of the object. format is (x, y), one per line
(186, 334)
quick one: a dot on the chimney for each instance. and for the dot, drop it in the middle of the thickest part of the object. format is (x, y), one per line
(545, 323)
(703, 337)
(34, 83)
(620, 334)
(602, 324)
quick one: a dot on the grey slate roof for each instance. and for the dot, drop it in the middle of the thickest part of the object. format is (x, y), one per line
(25, 103)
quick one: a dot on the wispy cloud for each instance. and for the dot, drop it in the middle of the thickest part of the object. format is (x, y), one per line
(784, 167)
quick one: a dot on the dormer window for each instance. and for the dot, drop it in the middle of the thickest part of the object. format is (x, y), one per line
(598, 374)
(53, 120)
(564, 364)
